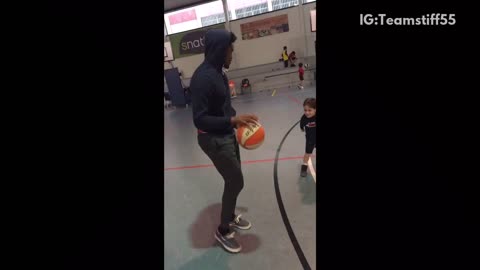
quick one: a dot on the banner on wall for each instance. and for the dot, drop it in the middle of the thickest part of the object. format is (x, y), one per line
(191, 42)
(265, 27)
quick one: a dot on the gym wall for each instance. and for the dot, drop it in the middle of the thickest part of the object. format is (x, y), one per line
(265, 50)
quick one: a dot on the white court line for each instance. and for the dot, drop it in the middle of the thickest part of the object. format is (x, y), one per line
(312, 170)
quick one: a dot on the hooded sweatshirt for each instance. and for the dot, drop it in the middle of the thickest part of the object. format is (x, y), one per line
(309, 125)
(211, 104)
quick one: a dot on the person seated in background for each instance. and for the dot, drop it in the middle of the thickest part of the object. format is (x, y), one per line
(292, 58)
(246, 86)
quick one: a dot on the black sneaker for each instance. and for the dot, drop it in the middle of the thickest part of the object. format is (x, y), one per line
(241, 224)
(303, 172)
(228, 242)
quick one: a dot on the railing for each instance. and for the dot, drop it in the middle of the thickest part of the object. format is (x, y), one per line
(286, 73)
(292, 80)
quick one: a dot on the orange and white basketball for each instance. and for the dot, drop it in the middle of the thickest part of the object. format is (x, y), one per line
(251, 137)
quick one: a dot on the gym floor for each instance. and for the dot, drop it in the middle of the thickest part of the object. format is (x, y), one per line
(193, 190)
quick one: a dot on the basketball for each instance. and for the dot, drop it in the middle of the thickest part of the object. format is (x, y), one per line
(251, 137)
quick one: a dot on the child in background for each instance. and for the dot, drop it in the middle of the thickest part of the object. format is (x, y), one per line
(285, 56)
(308, 125)
(301, 71)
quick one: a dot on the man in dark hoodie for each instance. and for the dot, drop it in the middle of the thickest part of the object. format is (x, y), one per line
(215, 120)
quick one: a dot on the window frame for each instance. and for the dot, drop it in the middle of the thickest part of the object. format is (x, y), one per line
(187, 7)
(267, 12)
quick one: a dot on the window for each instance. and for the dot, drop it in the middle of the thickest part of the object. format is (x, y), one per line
(281, 4)
(251, 10)
(194, 17)
(213, 19)
(238, 9)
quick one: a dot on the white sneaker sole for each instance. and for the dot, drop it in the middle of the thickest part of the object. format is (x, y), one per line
(241, 228)
(229, 249)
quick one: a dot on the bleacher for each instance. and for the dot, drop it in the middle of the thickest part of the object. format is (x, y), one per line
(273, 75)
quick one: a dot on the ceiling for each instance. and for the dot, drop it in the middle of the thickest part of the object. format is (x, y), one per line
(176, 4)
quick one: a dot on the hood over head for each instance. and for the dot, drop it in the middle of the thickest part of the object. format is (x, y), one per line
(216, 43)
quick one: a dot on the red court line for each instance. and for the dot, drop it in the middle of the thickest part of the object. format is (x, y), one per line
(294, 100)
(244, 162)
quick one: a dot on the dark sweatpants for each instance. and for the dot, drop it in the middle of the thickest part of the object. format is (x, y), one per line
(224, 152)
